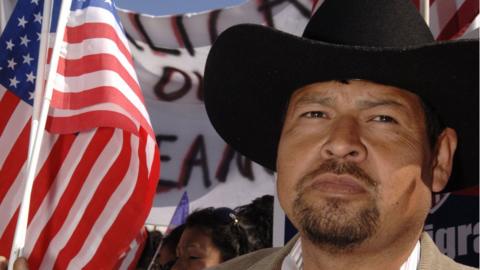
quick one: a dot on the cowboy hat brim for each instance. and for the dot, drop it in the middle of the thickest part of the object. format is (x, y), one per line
(252, 70)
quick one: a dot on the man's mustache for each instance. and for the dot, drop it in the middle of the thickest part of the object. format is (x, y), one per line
(335, 167)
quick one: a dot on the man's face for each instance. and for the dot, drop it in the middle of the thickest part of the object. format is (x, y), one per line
(354, 164)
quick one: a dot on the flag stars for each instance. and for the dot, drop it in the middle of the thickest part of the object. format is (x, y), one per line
(27, 59)
(22, 22)
(108, 2)
(38, 18)
(10, 45)
(38, 36)
(30, 95)
(30, 77)
(11, 63)
(34, 2)
(14, 82)
(24, 40)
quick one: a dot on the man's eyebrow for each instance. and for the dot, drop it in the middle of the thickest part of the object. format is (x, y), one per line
(367, 104)
(315, 99)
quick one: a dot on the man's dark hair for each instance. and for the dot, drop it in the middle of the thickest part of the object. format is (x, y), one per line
(257, 219)
(222, 225)
(433, 123)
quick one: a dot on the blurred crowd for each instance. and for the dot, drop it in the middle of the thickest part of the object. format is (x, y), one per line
(211, 236)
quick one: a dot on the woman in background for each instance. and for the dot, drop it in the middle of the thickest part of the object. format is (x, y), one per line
(211, 236)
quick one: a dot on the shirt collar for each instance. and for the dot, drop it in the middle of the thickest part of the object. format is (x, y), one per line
(294, 259)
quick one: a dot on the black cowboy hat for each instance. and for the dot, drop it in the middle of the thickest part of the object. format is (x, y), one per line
(252, 70)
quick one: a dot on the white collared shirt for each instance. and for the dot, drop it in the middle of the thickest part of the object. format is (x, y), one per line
(294, 260)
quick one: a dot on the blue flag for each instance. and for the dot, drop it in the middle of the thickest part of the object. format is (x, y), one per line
(181, 213)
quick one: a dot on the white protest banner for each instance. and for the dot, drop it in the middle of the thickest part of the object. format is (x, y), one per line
(170, 53)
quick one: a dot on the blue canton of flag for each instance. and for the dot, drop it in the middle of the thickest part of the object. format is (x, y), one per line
(20, 42)
(19, 46)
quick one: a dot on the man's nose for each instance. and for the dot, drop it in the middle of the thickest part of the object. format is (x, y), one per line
(344, 141)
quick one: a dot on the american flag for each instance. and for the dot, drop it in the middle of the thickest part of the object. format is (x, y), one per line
(449, 19)
(131, 258)
(99, 165)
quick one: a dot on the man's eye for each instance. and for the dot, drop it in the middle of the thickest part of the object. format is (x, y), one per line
(384, 119)
(314, 114)
(194, 257)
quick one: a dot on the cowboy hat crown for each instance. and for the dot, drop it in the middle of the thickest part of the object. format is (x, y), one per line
(375, 23)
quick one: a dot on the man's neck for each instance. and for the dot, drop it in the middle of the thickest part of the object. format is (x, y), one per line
(366, 256)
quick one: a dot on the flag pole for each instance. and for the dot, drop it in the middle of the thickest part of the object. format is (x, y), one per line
(40, 79)
(425, 10)
(3, 16)
(152, 262)
(21, 227)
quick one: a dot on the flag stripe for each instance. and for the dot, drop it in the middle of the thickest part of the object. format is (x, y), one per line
(8, 103)
(7, 236)
(460, 20)
(86, 191)
(91, 63)
(152, 159)
(80, 122)
(107, 186)
(88, 31)
(14, 128)
(109, 217)
(115, 236)
(68, 197)
(97, 46)
(96, 15)
(14, 161)
(11, 200)
(49, 172)
(90, 97)
(60, 184)
(441, 11)
(97, 80)
(136, 249)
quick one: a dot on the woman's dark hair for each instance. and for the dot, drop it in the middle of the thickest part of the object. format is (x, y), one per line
(171, 240)
(257, 219)
(222, 225)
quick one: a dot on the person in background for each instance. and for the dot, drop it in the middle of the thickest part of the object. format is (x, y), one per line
(211, 236)
(154, 238)
(167, 254)
(257, 220)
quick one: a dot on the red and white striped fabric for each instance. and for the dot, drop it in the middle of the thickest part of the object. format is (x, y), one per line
(130, 260)
(96, 84)
(448, 18)
(99, 162)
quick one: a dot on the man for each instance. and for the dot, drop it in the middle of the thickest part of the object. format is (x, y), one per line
(360, 119)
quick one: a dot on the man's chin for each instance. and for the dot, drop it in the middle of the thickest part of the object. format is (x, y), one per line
(336, 224)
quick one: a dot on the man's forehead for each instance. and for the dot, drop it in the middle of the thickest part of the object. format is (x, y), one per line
(365, 94)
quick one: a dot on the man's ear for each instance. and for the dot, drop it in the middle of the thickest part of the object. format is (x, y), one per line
(443, 159)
